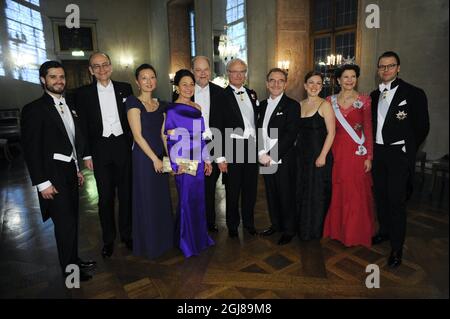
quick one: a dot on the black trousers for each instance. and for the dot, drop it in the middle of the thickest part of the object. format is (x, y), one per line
(210, 195)
(112, 170)
(391, 173)
(63, 211)
(241, 182)
(280, 193)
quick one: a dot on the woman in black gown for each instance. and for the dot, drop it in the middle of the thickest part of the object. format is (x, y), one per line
(314, 161)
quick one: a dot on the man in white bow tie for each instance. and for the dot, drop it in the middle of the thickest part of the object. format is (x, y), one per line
(240, 115)
(108, 151)
(52, 145)
(400, 125)
(279, 112)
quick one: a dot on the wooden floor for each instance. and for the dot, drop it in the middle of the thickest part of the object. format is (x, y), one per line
(248, 267)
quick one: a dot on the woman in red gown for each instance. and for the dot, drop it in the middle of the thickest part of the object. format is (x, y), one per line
(350, 217)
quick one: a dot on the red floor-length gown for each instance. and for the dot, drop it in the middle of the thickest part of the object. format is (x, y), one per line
(350, 218)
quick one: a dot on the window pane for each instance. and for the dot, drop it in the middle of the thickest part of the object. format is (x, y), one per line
(345, 45)
(323, 11)
(192, 32)
(346, 12)
(322, 48)
(26, 39)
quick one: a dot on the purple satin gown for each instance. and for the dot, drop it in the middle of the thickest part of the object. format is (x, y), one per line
(191, 228)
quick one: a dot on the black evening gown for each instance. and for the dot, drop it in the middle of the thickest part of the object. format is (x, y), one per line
(313, 184)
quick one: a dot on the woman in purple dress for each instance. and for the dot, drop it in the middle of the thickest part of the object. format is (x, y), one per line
(184, 127)
(152, 210)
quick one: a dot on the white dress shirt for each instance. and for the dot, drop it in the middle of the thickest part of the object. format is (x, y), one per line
(202, 98)
(64, 112)
(246, 108)
(267, 141)
(110, 114)
(384, 103)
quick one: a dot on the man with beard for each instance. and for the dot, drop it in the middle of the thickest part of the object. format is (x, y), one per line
(52, 143)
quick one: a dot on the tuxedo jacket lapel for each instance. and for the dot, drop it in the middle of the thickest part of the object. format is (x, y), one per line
(278, 109)
(234, 105)
(119, 99)
(393, 108)
(54, 115)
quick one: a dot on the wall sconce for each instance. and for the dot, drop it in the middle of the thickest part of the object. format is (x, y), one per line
(284, 65)
(126, 61)
(77, 53)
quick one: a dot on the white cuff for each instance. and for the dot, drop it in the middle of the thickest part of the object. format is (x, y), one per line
(87, 158)
(44, 185)
(263, 152)
(220, 160)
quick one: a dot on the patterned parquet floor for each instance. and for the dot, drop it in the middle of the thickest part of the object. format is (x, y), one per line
(248, 267)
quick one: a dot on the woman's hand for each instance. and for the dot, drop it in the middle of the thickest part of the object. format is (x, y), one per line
(320, 161)
(181, 169)
(158, 165)
(367, 166)
(208, 168)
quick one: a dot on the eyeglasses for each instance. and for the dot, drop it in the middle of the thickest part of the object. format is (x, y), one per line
(97, 67)
(237, 72)
(386, 67)
(280, 81)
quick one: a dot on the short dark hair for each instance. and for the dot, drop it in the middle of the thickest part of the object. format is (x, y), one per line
(339, 71)
(144, 66)
(311, 74)
(43, 70)
(389, 54)
(277, 70)
(99, 53)
(181, 74)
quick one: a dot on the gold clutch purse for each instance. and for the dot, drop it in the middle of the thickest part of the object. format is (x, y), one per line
(187, 166)
(167, 168)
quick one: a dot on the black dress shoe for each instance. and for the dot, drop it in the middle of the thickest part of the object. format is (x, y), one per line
(213, 228)
(84, 276)
(269, 231)
(251, 231)
(129, 244)
(379, 238)
(107, 250)
(232, 233)
(285, 239)
(395, 258)
(87, 264)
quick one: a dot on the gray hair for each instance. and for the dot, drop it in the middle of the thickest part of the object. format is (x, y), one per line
(200, 57)
(234, 61)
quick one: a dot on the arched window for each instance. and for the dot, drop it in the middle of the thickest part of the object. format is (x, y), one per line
(333, 27)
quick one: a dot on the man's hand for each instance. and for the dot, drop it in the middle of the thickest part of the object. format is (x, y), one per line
(208, 168)
(89, 164)
(80, 179)
(49, 192)
(223, 167)
(265, 160)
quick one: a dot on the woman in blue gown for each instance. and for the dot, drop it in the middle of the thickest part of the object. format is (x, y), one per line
(152, 211)
(184, 127)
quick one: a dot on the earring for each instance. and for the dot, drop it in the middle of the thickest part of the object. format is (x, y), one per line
(177, 92)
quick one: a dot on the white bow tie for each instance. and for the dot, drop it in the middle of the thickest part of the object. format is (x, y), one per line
(385, 87)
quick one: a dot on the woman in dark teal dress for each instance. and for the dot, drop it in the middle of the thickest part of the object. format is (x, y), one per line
(152, 211)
